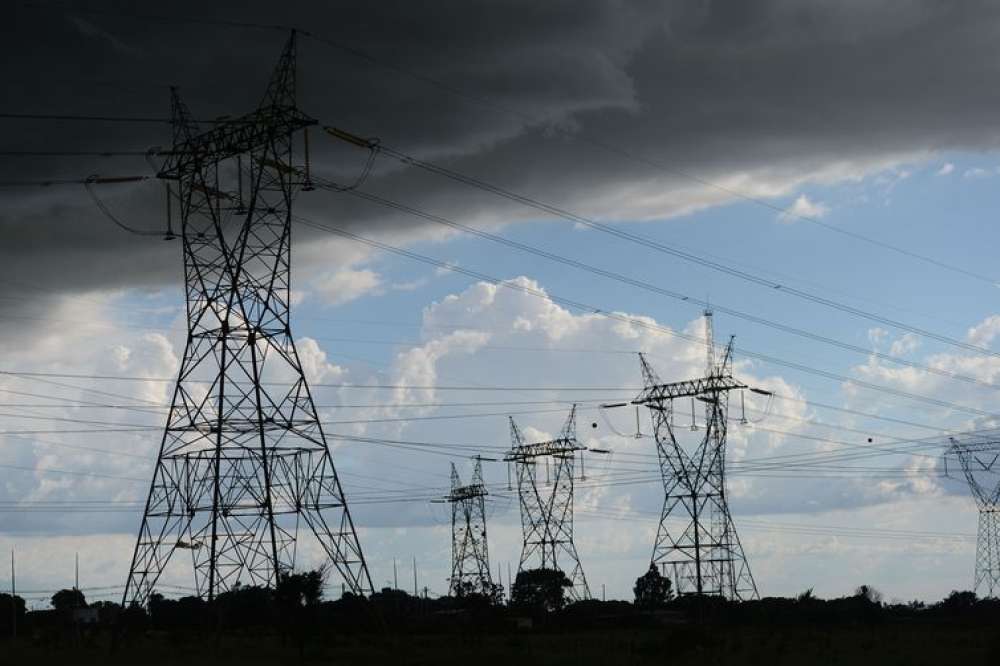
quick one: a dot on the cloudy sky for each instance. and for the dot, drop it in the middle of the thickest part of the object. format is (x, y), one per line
(823, 173)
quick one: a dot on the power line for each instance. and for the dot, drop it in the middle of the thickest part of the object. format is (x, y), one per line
(66, 419)
(73, 117)
(592, 389)
(577, 305)
(900, 446)
(660, 166)
(87, 389)
(70, 402)
(520, 348)
(54, 470)
(630, 514)
(93, 180)
(371, 405)
(665, 292)
(813, 403)
(968, 379)
(161, 18)
(802, 528)
(75, 431)
(397, 406)
(74, 447)
(854, 348)
(365, 341)
(856, 412)
(486, 102)
(408, 419)
(435, 387)
(379, 495)
(76, 153)
(787, 459)
(79, 117)
(658, 246)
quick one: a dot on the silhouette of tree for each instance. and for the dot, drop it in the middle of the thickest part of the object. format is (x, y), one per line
(245, 606)
(472, 595)
(297, 597)
(68, 599)
(465, 588)
(296, 590)
(10, 606)
(495, 594)
(158, 607)
(652, 590)
(959, 601)
(186, 612)
(869, 594)
(540, 590)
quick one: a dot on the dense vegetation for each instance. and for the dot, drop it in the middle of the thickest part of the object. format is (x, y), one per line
(294, 624)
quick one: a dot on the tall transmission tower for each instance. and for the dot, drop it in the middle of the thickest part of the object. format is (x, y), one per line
(243, 459)
(979, 459)
(470, 559)
(705, 557)
(547, 518)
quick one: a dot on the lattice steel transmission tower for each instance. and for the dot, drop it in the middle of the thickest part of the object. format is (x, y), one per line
(705, 557)
(979, 458)
(470, 559)
(547, 517)
(243, 459)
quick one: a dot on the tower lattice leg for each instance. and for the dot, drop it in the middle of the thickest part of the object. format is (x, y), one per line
(987, 577)
(243, 461)
(547, 517)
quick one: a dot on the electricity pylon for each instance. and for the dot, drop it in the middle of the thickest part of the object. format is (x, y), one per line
(547, 518)
(706, 557)
(980, 462)
(470, 560)
(243, 459)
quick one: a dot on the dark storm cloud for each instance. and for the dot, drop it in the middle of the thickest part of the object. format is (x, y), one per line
(777, 89)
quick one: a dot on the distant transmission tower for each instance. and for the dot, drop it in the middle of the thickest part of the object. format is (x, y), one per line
(243, 458)
(470, 560)
(705, 557)
(547, 518)
(980, 462)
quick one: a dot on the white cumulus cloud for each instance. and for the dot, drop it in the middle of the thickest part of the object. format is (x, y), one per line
(804, 207)
(977, 172)
(346, 285)
(985, 332)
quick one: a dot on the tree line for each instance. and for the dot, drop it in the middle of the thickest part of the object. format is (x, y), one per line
(296, 607)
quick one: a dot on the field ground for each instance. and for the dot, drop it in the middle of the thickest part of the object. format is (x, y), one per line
(896, 644)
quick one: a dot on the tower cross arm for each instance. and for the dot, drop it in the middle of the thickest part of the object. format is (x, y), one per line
(231, 138)
(690, 387)
(467, 492)
(965, 448)
(554, 447)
